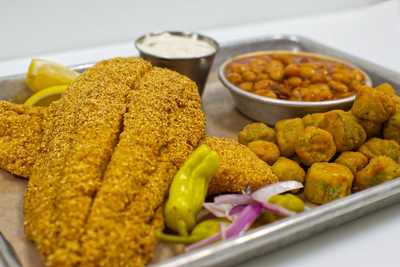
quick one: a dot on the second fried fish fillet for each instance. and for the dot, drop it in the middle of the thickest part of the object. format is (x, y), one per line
(20, 136)
(161, 129)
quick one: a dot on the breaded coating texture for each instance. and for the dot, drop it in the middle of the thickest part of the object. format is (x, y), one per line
(326, 182)
(256, 131)
(20, 135)
(391, 128)
(287, 133)
(313, 119)
(79, 138)
(375, 147)
(315, 145)
(239, 166)
(96, 134)
(161, 129)
(379, 170)
(266, 151)
(372, 105)
(286, 169)
(347, 133)
(396, 99)
(385, 88)
(355, 161)
(371, 128)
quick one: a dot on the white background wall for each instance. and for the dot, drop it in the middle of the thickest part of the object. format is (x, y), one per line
(30, 27)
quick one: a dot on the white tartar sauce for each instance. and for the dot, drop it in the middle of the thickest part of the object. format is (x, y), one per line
(172, 46)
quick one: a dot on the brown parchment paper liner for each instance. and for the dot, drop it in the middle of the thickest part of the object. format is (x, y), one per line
(223, 120)
(12, 189)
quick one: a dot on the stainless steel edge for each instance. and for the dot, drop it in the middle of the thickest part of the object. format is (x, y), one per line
(271, 113)
(8, 257)
(279, 234)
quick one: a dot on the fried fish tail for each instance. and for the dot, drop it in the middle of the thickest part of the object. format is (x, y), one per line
(239, 167)
(20, 136)
(161, 128)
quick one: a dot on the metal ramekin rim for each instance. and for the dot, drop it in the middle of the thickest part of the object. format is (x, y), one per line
(181, 33)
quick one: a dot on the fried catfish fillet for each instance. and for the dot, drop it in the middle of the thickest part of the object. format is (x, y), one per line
(161, 129)
(20, 136)
(80, 134)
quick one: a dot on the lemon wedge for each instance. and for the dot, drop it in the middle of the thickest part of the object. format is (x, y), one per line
(44, 74)
(46, 96)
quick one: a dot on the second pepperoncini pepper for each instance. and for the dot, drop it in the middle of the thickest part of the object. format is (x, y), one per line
(189, 189)
(201, 231)
(288, 201)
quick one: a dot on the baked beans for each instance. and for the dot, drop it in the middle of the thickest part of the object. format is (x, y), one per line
(296, 77)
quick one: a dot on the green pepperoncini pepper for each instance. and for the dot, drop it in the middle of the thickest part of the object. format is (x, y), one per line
(288, 201)
(201, 231)
(189, 189)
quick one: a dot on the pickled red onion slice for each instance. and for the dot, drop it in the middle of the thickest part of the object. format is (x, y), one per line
(246, 218)
(263, 194)
(234, 199)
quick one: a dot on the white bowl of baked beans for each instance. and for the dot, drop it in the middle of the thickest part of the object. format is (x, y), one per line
(270, 86)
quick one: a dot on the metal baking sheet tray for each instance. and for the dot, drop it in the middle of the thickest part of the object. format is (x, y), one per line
(289, 230)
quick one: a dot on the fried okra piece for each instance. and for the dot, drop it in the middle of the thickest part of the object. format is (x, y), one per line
(315, 145)
(396, 99)
(256, 131)
(385, 88)
(313, 119)
(347, 133)
(355, 161)
(287, 133)
(296, 158)
(372, 105)
(375, 147)
(266, 151)
(379, 170)
(391, 127)
(371, 128)
(327, 182)
(287, 169)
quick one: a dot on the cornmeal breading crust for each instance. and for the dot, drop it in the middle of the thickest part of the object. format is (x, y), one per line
(161, 129)
(239, 167)
(20, 135)
(79, 137)
(111, 146)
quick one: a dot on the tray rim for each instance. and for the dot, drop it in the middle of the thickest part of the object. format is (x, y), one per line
(285, 231)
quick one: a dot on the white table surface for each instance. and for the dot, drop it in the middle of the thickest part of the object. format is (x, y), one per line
(371, 33)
